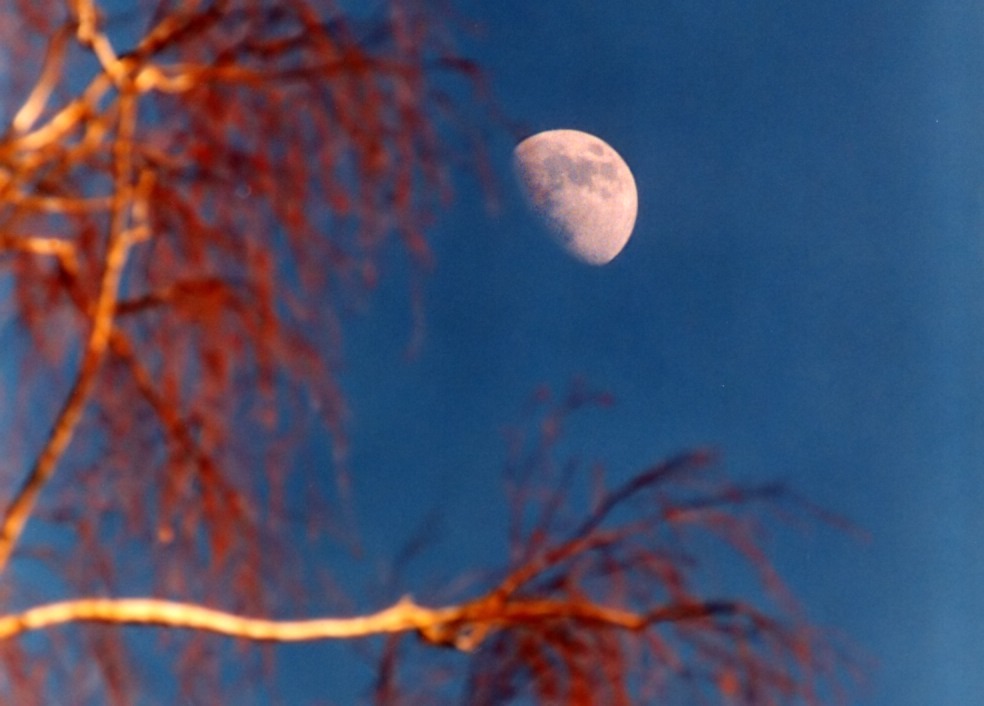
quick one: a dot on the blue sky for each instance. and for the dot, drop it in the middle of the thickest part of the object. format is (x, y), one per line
(804, 290)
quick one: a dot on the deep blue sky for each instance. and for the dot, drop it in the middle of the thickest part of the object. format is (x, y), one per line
(804, 290)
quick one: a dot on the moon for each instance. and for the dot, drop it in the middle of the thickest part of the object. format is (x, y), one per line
(582, 189)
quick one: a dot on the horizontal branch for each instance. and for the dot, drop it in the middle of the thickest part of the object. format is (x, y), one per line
(60, 204)
(404, 616)
(456, 625)
(39, 245)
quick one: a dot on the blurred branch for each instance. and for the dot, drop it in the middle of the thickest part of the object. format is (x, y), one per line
(50, 75)
(561, 616)
(39, 245)
(128, 225)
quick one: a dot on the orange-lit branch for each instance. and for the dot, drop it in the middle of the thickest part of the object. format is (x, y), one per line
(19, 509)
(36, 102)
(75, 113)
(38, 245)
(402, 617)
(126, 205)
(450, 625)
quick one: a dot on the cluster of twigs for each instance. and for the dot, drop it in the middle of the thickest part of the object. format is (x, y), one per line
(607, 603)
(191, 197)
(609, 596)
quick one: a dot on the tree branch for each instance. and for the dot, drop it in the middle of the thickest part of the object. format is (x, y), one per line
(404, 616)
(121, 238)
(39, 245)
(446, 625)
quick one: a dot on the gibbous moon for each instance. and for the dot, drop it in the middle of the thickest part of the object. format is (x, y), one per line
(582, 189)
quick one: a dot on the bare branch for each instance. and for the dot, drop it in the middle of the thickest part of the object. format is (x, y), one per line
(38, 245)
(447, 625)
(120, 240)
(50, 75)
(403, 617)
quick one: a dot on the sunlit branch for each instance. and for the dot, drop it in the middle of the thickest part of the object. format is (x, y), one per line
(65, 120)
(36, 102)
(38, 245)
(450, 625)
(19, 509)
(90, 36)
(121, 238)
(402, 617)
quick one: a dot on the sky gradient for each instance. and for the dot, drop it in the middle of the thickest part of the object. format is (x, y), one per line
(804, 291)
